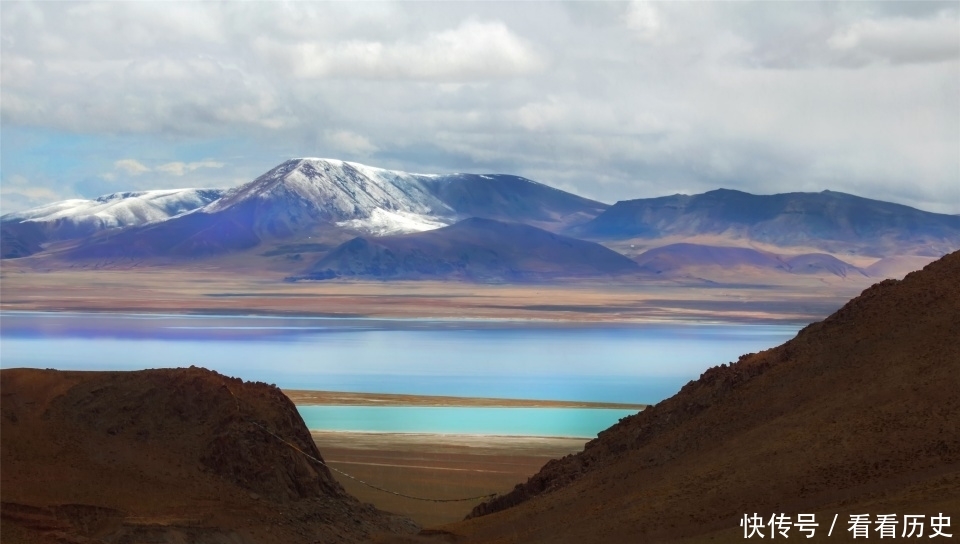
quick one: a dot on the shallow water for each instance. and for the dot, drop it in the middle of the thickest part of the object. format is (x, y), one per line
(631, 363)
(572, 422)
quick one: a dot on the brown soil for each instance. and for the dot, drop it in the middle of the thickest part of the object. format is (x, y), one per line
(170, 455)
(436, 466)
(226, 290)
(860, 413)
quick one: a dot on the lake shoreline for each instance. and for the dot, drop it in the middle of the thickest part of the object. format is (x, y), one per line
(301, 397)
(228, 292)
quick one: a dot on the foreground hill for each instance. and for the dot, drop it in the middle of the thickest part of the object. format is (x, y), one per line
(830, 221)
(164, 456)
(473, 249)
(860, 413)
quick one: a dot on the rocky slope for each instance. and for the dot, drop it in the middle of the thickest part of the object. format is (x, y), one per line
(168, 455)
(860, 413)
(474, 249)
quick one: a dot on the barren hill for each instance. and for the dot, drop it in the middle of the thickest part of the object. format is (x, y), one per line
(169, 455)
(830, 221)
(474, 249)
(681, 258)
(860, 413)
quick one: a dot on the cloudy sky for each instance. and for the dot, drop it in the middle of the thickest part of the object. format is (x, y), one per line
(612, 101)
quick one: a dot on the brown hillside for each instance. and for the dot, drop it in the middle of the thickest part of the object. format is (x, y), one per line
(860, 413)
(164, 456)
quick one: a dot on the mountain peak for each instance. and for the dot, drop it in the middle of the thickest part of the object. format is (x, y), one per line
(306, 190)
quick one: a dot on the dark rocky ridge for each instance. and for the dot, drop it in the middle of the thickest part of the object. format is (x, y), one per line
(859, 413)
(165, 456)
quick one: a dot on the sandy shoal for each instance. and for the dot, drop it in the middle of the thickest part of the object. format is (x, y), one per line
(337, 398)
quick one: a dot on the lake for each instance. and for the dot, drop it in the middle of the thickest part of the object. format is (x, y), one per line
(603, 362)
(569, 422)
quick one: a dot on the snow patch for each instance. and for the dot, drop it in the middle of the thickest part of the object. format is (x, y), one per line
(383, 222)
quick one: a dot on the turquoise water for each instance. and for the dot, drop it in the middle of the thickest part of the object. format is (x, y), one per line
(574, 422)
(628, 363)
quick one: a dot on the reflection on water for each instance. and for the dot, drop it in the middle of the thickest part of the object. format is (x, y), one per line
(632, 363)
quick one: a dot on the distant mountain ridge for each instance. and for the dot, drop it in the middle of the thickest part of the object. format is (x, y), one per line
(24, 232)
(322, 203)
(475, 249)
(377, 201)
(832, 221)
(685, 256)
(300, 196)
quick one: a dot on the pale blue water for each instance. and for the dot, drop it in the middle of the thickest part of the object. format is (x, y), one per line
(633, 363)
(630, 363)
(576, 422)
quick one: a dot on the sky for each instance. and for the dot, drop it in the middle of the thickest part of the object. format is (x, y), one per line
(609, 100)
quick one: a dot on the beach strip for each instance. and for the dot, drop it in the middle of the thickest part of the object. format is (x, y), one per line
(336, 398)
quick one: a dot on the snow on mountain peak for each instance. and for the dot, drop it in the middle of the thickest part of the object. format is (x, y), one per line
(80, 217)
(346, 193)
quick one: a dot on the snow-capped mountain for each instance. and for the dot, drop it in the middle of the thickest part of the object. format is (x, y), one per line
(310, 190)
(304, 208)
(303, 198)
(77, 218)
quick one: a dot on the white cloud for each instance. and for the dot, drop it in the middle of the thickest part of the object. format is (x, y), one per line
(472, 51)
(18, 193)
(131, 167)
(180, 168)
(612, 100)
(643, 18)
(350, 143)
(900, 40)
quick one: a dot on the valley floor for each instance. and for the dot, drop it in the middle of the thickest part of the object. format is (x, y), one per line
(441, 466)
(436, 466)
(215, 290)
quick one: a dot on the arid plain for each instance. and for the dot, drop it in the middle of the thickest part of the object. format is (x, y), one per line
(225, 290)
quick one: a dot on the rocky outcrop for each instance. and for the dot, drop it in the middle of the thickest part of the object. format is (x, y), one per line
(165, 455)
(858, 413)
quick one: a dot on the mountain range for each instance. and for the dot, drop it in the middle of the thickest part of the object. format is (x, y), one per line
(324, 218)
